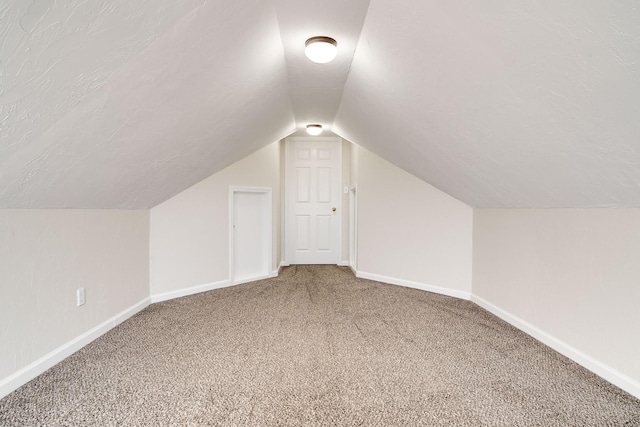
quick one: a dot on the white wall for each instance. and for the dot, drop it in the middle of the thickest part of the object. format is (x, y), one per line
(45, 255)
(409, 232)
(190, 232)
(570, 277)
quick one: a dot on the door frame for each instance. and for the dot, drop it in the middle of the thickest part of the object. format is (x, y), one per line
(267, 217)
(353, 228)
(288, 217)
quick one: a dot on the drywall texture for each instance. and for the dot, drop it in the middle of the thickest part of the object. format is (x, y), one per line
(409, 230)
(572, 273)
(190, 232)
(124, 104)
(502, 104)
(45, 255)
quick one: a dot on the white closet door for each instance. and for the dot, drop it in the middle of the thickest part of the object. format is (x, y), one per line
(251, 234)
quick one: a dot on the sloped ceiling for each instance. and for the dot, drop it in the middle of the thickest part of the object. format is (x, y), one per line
(123, 104)
(503, 104)
(119, 104)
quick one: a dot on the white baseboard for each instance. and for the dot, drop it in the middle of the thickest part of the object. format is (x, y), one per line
(29, 372)
(343, 264)
(190, 291)
(610, 374)
(255, 279)
(409, 284)
(280, 267)
(353, 270)
(208, 287)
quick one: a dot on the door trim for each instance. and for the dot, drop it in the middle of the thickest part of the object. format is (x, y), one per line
(288, 232)
(268, 218)
(353, 228)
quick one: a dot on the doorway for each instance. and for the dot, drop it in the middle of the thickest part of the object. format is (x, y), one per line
(313, 211)
(250, 234)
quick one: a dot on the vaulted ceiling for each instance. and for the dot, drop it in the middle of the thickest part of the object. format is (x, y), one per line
(121, 104)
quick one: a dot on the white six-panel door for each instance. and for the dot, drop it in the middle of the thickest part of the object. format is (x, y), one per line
(313, 181)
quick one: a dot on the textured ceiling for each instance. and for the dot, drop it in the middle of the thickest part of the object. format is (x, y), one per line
(316, 89)
(503, 104)
(119, 104)
(123, 104)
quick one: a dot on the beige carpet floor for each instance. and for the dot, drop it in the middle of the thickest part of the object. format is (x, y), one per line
(316, 346)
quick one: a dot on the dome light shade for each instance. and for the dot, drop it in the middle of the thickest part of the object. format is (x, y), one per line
(321, 49)
(314, 129)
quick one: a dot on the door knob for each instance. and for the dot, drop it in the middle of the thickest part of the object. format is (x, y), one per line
(333, 209)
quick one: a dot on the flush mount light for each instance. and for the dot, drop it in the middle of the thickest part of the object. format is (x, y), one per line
(321, 49)
(314, 129)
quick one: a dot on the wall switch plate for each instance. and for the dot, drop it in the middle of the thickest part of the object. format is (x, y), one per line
(80, 297)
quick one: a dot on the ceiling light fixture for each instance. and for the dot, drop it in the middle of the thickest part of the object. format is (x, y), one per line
(314, 129)
(321, 49)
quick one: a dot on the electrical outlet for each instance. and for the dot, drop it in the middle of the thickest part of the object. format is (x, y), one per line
(80, 297)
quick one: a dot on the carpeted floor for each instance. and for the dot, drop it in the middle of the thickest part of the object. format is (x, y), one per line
(316, 346)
